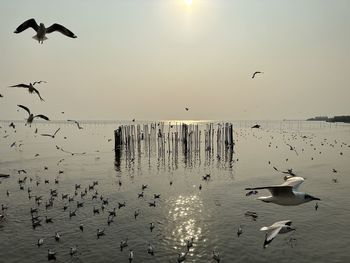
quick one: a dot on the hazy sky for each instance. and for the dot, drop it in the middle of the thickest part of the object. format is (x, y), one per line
(149, 59)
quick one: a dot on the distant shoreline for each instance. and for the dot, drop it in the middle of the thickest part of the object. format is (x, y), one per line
(344, 118)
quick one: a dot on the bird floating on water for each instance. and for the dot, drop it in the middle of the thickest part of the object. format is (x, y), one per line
(239, 231)
(216, 256)
(40, 242)
(41, 30)
(73, 250)
(150, 249)
(51, 255)
(123, 244)
(100, 232)
(182, 257)
(279, 227)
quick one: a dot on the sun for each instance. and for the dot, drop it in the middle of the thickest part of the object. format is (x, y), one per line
(188, 2)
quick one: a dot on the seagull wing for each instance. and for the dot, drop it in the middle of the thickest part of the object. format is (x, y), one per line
(47, 135)
(61, 29)
(25, 108)
(38, 93)
(282, 223)
(20, 86)
(278, 190)
(27, 24)
(56, 132)
(271, 234)
(256, 72)
(38, 82)
(42, 117)
(294, 182)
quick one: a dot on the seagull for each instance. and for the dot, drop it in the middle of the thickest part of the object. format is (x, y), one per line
(100, 232)
(131, 255)
(40, 242)
(189, 243)
(216, 256)
(73, 251)
(182, 257)
(286, 193)
(136, 213)
(41, 30)
(123, 244)
(57, 236)
(51, 254)
(187, 109)
(1, 96)
(120, 205)
(51, 135)
(239, 231)
(30, 87)
(272, 231)
(151, 226)
(256, 126)
(77, 123)
(150, 249)
(256, 72)
(110, 220)
(31, 115)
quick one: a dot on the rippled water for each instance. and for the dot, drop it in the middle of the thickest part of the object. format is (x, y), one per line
(211, 216)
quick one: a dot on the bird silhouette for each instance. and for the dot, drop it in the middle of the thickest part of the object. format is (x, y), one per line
(32, 116)
(41, 30)
(30, 87)
(51, 135)
(255, 73)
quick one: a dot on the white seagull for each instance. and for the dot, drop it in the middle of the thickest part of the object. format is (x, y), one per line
(280, 227)
(287, 193)
(41, 30)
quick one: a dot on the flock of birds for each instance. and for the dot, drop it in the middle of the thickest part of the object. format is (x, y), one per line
(285, 194)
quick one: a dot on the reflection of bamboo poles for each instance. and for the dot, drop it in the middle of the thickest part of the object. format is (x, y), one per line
(158, 139)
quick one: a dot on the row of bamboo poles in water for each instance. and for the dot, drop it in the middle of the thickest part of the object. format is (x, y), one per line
(167, 140)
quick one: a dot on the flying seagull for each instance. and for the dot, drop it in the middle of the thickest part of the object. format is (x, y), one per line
(272, 231)
(77, 123)
(256, 72)
(256, 126)
(287, 193)
(187, 109)
(30, 87)
(31, 115)
(41, 30)
(51, 135)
